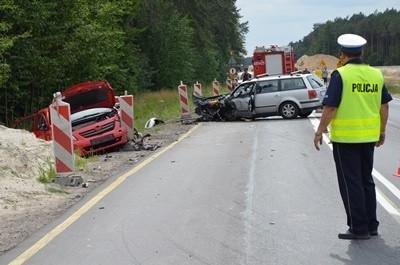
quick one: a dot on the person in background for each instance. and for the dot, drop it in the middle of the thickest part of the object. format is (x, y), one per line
(325, 75)
(356, 108)
(318, 73)
(246, 75)
(306, 71)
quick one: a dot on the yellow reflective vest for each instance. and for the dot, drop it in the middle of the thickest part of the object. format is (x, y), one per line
(357, 119)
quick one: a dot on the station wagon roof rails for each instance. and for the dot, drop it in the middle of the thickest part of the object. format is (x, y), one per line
(296, 72)
(262, 75)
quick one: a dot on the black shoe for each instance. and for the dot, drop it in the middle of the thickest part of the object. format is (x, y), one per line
(373, 233)
(350, 235)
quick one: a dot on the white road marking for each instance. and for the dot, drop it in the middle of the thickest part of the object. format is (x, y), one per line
(386, 203)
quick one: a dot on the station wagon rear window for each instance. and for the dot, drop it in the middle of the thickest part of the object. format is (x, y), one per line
(292, 84)
(315, 81)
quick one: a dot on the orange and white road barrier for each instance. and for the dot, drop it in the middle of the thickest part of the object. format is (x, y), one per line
(215, 87)
(183, 98)
(127, 114)
(197, 89)
(60, 114)
(229, 84)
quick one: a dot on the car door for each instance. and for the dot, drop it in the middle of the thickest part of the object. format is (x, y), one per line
(37, 123)
(267, 97)
(241, 98)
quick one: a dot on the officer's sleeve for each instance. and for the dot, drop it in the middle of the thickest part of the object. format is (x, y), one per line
(386, 97)
(333, 93)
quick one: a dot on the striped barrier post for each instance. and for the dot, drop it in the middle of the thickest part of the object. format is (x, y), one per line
(197, 89)
(183, 98)
(127, 114)
(229, 84)
(60, 114)
(215, 87)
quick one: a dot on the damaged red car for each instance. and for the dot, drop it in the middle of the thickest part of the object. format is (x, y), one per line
(96, 123)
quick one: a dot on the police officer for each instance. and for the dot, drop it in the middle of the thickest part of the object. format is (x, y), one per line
(356, 109)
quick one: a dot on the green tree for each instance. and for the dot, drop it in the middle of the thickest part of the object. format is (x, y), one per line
(6, 41)
(166, 40)
(102, 45)
(135, 45)
(381, 30)
(218, 31)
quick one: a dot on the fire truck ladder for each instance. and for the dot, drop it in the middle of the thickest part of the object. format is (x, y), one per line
(288, 60)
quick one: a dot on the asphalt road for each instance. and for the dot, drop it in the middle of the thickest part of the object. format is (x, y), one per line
(229, 193)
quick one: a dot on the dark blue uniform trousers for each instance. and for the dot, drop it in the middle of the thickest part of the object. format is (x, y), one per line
(354, 164)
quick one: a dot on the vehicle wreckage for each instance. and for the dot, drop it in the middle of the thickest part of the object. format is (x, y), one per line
(215, 108)
(288, 96)
(95, 120)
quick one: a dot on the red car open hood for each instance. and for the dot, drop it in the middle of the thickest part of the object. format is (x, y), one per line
(89, 95)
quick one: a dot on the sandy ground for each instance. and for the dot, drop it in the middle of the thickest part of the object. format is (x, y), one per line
(27, 205)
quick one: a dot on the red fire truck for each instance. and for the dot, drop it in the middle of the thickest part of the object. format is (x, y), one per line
(274, 60)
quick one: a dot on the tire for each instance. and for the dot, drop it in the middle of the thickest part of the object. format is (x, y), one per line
(289, 110)
(305, 114)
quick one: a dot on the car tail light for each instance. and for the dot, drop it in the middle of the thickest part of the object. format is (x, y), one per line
(312, 94)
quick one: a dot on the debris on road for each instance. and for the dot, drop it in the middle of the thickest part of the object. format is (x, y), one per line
(72, 181)
(152, 122)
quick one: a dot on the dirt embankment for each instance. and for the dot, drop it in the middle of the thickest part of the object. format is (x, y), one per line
(391, 73)
(317, 61)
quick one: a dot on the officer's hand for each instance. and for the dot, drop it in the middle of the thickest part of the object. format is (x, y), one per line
(381, 140)
(317, 140)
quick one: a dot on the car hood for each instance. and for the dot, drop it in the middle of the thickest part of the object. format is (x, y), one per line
(89, 95)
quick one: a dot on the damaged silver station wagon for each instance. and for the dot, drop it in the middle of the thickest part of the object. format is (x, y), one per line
(288, 96)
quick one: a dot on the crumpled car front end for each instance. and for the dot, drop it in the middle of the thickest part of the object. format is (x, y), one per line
(95, 130)
(96, 123)
(214, 108)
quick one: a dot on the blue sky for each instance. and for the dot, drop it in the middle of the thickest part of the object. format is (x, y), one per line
(282, 21)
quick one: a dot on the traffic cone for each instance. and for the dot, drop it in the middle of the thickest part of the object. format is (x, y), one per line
(397, 174)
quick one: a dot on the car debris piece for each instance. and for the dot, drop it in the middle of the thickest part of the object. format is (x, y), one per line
(188, 121)
(138, 143)
(152, 122)
(72, 181)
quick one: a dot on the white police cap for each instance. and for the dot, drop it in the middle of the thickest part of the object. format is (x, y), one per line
(351, 43)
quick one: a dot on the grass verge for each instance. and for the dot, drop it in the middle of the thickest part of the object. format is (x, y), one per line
(164, 104)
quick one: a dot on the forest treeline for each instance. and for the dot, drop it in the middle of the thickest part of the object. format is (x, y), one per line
(140, 45)
(135, 45)
(380, 29)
